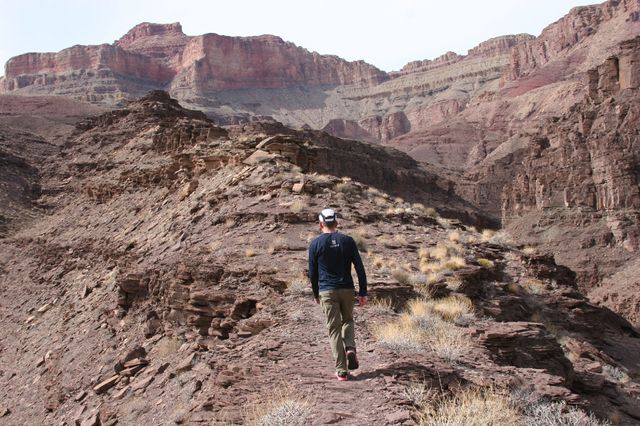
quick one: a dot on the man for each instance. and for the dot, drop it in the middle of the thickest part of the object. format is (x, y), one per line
(330, 257)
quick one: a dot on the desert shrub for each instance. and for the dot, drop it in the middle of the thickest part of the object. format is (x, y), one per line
(417, 279)
(278, 244)
(249, 252)
(360, 235)
(401, 334)
(378, 261)
(430, 212)
(454, 263)
(381, 304)
(347, 188)
(471, 407)
(423, 253)
(418, 393)
(402, 276)
(448, 308)
(279, 408)
(533, 286)
(298, 205)
(453, 282)
(440, 252)
(380, 201)
(487, 234)
(615, 374)
(486, 263)
(558, 414)
(454, 236)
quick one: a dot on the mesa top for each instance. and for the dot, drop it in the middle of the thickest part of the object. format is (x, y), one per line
(330, 259)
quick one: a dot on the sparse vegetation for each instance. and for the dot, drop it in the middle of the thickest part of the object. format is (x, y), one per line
(360, 235)
(382, 304)
(453, 282)
(418, 393)
(430, 212)
(378, 261)
(486, 263)
(454, 236)
(533, 286)
(471, 407)
(454, 263)
(298, 205)
(249, 252)
(440, 252)
(402, 276)
(279, 408)
(615, 374)
(347, 188)
(532, 410)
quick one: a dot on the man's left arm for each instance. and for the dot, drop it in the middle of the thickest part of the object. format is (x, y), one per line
(362, 276)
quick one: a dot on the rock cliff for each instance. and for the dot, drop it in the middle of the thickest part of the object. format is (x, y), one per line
(577, 187)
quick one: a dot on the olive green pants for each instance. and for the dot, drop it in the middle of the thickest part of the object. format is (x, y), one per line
(337, 305)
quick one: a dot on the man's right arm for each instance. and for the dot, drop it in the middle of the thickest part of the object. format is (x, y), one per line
(313, 271)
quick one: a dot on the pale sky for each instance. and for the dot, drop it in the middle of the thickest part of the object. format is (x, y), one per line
(387, 34)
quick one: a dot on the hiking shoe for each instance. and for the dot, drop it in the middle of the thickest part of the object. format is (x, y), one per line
(352, 360)
(343, 376)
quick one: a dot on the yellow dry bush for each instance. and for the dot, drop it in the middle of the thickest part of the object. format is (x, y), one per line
(440, 252)
(404, 333)
(431, 267)
(298, 205)
(402, 276)
(487, 234)
(455, 263)
(454, 282)
(382, 304)
(249, 252)
(380, 201)
(430, 212)
(472, 407)
(486, 263)
(449, 308)
(454, 236)
(377, 262)
(280, 406)
(423, 253)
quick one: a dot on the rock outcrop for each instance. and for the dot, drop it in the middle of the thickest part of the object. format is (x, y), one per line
(580, 175)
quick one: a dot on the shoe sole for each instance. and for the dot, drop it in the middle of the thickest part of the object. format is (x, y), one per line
(352, 361)
(342, 379)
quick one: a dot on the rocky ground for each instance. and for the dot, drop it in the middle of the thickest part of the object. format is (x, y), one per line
(160, 279)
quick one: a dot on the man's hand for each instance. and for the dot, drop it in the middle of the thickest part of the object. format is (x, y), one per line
(317, 300)
(362, 300)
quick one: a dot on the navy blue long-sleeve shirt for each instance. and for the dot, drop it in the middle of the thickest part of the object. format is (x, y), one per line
(330, 259)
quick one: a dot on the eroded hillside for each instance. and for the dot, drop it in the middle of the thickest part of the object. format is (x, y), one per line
(161, 280)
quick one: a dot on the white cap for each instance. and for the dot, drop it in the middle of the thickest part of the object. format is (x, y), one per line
(327, 216)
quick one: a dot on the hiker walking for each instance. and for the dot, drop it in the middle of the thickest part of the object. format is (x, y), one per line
(330, 257)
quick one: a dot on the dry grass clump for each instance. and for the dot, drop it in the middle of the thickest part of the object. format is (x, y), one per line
(380, 201)
(471, 407)
(454, 282)
(347, 188)
(249, 252)
(418, 393)
(454, 236)
(402, 276)
(360, 235)
(378, 261)
(534, 410)
(402, 334)
(487, 234)
(278, 244)
(529, 250)
(615, 374)
(454, 263)
(448, 308)
(423, 327)
(298, 205)
(423, 253)
(533, 286)
(427, 267)
(418, 280)
(280, 407)
(440, 252)
(486, 263)
(384, 304)
(430, 212)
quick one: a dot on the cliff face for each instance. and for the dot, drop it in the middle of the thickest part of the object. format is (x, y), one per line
(579, 24)
(577, 190)
(163, 56)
